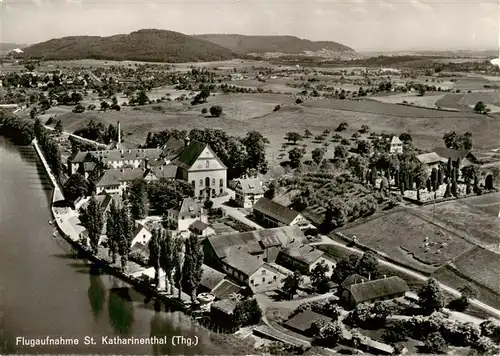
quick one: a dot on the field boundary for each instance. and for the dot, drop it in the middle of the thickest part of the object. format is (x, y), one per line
(384, 255)
(455, 270)
(443, 200)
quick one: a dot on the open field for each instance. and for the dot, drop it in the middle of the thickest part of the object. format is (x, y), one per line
(466, 101)
(246, 112)
(373, 107)
(275, 86)
(477, 216)
(337, 252)
(427, 101)
(478, 265)
(401, 236)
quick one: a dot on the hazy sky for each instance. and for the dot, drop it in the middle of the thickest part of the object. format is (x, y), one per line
(361, 24)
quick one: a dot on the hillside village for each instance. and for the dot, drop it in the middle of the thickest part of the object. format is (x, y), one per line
(327, 231)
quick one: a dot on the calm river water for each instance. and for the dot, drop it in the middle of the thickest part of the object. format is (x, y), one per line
(46, 290)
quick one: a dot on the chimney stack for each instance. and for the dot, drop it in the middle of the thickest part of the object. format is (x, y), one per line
(119, 134)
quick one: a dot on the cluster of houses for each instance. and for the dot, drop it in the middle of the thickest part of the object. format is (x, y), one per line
(193, 162)
(235, 263)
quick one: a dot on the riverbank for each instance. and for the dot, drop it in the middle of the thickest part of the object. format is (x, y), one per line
(66, 222)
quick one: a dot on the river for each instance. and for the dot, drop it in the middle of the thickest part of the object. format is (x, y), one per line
(47, 290)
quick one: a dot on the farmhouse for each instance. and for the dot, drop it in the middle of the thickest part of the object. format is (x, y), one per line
(396, 145)
(304, 258)
(465, 158)
(187, 214)
(372, 291)
(199, 165)
(201, 229)
(222, 311)
(141, 235)
(215, 282)
(248, 257)
(272, 214)
(302, 322)
(431, 160)
(248, 192)
(115, 181)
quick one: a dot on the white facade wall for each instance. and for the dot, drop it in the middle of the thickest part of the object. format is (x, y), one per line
(246, 200)
(265, 279)
(143, 237)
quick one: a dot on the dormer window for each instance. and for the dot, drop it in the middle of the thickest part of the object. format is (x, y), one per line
(207, 164)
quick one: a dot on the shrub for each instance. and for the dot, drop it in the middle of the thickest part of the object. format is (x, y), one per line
(434, 343)
(216, 111)
(299, 101)
(277, 107)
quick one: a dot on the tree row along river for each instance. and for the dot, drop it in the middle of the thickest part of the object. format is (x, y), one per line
(46, 290)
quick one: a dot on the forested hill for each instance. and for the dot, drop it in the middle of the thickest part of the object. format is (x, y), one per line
(149, 45)
(279, 44)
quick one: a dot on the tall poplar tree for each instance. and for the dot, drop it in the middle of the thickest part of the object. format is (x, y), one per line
(94, 223)
(193, 261)
(154, 254)
(113, 231)
(169, 256)
(126, 232)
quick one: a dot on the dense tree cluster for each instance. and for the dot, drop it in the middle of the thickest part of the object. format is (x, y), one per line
(19, 130)
(50, 148)
(462, 142)
(366, 266)
(98, 132)
(164, 194)
(239, 154)
(247, 312)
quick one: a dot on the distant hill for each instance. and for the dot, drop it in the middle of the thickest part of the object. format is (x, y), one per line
(149, 45)
(279, 44)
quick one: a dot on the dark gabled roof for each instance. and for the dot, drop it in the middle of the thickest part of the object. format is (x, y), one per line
(168, 171)
(250, 240)
(277, 211)
(225, 305)
(199, 225)
(362, 292)
(450, 153)
(304, 253)
(210, 277)
(89, 166)
(190, 154)
(243, 261)
(172, 148)
(352, 279)
(115, 176)
(225, 289)
(303, 321)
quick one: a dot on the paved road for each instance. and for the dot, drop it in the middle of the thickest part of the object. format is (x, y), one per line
(261, 300)
(494, 312)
